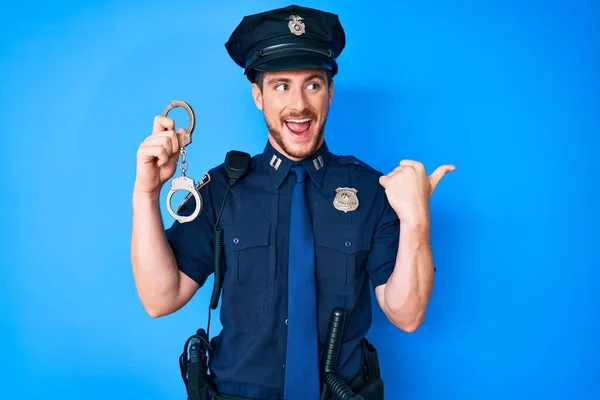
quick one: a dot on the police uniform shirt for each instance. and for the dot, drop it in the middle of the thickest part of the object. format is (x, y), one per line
(355, 251)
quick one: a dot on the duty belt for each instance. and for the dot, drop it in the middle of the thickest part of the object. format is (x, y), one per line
(367, 385)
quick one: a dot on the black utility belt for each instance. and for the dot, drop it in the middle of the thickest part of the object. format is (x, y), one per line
(368, 385)
(361, 390)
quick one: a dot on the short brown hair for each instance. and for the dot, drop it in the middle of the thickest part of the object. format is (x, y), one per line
(258, 78)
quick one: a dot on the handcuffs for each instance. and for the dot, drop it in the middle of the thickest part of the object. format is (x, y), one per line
(183, 182)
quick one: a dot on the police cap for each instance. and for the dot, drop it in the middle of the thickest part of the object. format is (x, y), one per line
(292, 37)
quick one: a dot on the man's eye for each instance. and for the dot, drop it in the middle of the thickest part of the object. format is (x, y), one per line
(283, 86)
(313, 86)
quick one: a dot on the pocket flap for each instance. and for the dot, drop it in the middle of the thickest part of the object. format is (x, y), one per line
(347, 239)
(244, 236)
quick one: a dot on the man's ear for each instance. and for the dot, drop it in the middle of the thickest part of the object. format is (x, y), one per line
(257, 95)
(330, 92)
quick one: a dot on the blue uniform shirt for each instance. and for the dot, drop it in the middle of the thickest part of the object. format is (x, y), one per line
(355, 251)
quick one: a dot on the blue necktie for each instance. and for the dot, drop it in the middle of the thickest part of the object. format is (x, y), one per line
(302, 360)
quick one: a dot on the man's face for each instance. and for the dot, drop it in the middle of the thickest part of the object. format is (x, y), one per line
(295, 105)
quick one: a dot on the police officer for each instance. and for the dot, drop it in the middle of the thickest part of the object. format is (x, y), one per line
(304, 231)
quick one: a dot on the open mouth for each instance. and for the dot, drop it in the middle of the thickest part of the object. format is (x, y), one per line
(298, 126)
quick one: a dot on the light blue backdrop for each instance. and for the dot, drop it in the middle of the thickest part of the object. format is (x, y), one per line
(508, 91)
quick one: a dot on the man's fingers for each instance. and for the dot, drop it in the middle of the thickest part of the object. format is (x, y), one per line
(162, 124)
(437, 175)
(404, 165)
(383, 180)
(401, 167)
(180, 131)
(407, 163)
(167, 139)
(150, 153)
(418, 166)
(172, 135)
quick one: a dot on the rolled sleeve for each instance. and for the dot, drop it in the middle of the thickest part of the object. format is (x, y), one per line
(384, 246)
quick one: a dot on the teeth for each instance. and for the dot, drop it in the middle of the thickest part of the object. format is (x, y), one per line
(298, 121)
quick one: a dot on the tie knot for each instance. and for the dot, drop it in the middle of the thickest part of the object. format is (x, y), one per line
(300, 173)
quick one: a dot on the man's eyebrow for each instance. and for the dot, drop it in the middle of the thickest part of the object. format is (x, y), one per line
(278, 80)
(287, 80)
(315, 76)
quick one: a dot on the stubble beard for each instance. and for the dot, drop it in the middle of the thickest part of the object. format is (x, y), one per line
(278, 137)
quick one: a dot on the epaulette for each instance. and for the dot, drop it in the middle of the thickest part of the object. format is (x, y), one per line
(345, 160)
(201, 183)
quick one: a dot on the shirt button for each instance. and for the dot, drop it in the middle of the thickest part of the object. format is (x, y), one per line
(286, 321)
(236, 241)
(348, 243)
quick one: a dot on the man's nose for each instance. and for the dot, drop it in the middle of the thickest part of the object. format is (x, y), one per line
(298, 101)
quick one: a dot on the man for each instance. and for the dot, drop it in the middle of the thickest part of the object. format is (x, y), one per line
(277, 279)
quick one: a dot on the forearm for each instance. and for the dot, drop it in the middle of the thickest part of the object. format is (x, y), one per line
(409, 288)
(154, 267)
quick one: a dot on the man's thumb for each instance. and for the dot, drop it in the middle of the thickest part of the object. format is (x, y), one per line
(438, 174)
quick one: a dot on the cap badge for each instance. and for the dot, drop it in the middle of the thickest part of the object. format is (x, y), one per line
(296, 25)
(345, 199)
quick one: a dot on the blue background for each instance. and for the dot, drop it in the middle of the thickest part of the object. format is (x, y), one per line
(508, 91)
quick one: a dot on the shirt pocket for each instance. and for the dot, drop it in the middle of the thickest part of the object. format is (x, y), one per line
(248, 281)
(342, 252)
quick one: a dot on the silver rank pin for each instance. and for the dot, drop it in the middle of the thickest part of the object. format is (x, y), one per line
(296, 25)
(345, 199)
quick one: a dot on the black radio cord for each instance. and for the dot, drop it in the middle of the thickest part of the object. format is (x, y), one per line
(217, 252)
(339, 389)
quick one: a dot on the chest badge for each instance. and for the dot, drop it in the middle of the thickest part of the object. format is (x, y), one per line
(345, 199)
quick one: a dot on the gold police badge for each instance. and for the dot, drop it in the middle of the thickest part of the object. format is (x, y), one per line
(345, 199)
(296, 25)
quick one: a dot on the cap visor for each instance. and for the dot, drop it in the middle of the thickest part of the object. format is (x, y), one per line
(291, 61)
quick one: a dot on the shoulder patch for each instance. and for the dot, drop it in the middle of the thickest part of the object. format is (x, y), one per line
(201, 183)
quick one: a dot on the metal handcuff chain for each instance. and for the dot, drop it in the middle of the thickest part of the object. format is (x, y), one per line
(183, 182)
